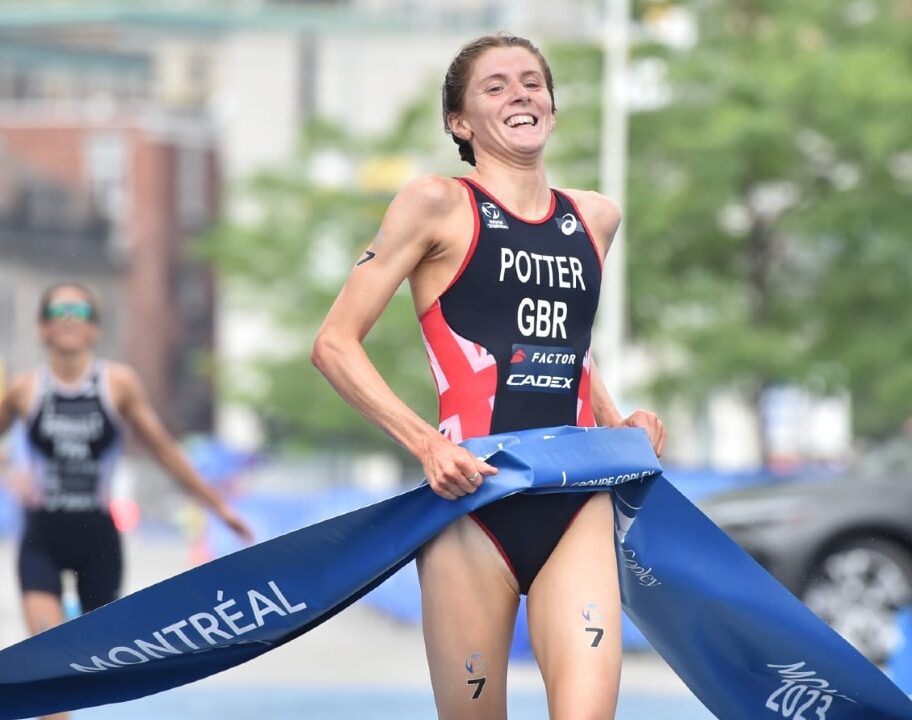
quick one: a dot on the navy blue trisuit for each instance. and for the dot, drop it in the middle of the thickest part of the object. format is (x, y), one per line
(73, 440)
(508, 344)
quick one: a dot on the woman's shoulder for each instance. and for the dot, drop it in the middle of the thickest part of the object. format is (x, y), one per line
(120, 375)
(593, 202)
(432, 194)
(124, 384)
(21, 388)
(600, 212)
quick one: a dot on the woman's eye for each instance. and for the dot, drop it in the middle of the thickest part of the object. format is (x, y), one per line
(494, 88)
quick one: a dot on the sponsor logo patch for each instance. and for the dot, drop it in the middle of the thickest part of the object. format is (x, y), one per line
(538, 368)
(493, 216)
(568, 224)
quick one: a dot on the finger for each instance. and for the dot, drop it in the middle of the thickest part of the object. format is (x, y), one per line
(466, 475)
(635, 419)
(654, 432)
(442, 492)
(445, 494)
(486, 469)
(447, 488)
(476, 480)
(464, 483)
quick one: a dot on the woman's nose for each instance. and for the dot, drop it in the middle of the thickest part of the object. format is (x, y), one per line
(520, 93)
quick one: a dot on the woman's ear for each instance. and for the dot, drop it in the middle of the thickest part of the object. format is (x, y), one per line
(459, 127)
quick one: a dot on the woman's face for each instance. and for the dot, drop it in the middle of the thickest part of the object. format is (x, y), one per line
(507, 109)
(68, 324)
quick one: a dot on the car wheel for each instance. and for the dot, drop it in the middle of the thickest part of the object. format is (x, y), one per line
(857, 588)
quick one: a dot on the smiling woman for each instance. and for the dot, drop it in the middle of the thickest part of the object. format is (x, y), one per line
(504, 273)
(531, 72)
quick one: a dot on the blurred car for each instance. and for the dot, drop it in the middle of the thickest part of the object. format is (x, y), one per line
(842, 544)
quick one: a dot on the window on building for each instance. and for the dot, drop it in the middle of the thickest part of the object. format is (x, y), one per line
(106, 167)
(191, 186)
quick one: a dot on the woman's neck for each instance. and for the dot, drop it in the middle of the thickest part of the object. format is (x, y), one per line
(524, 190)
(69, 368)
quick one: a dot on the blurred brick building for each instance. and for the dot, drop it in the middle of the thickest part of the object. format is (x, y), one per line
(113, 198)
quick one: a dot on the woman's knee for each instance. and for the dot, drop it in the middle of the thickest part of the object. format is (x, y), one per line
(591, 697)
(42, 611)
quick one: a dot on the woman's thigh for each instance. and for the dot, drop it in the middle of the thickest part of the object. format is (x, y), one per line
(469, 601)
(574, 617)
(99, 566)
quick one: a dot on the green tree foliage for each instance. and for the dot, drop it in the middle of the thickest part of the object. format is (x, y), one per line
(290, 261)
(769, 201)
(573, 151)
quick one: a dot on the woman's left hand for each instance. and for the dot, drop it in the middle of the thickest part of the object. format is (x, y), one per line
(654, 428)
(234, 521)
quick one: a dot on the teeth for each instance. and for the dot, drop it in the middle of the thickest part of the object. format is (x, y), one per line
(516, 120)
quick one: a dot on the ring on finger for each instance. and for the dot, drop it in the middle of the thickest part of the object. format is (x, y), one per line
(474, 477)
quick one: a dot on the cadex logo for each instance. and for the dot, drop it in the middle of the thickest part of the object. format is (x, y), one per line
(539, 368)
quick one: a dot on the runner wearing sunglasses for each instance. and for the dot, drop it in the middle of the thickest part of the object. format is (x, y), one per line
(75, 407)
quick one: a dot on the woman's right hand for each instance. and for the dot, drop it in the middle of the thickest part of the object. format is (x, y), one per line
(451, 470)
(23, 488)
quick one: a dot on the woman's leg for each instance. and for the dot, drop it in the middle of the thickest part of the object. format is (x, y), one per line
(574, 613)
(41, 587)
(469, 601)
(99, 569)
(42, 610)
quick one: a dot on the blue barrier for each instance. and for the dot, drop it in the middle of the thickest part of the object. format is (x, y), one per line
(900, 664)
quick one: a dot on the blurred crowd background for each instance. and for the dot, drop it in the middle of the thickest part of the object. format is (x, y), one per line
(213, 169)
